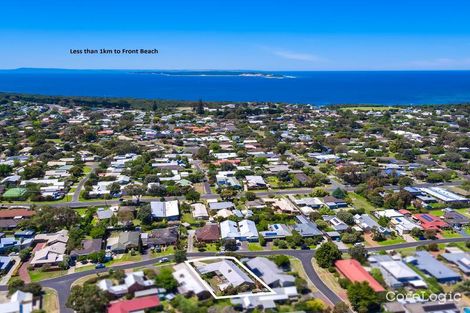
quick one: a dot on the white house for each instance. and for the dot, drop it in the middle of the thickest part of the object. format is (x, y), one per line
(165, 209)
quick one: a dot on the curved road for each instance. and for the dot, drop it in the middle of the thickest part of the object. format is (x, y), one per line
(76, 194)
(63, 284)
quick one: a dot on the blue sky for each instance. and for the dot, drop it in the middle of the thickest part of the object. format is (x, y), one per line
(255, 34)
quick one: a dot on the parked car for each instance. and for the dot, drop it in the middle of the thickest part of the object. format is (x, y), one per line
(100, 265)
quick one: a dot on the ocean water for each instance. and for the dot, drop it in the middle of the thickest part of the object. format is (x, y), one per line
(317, 88)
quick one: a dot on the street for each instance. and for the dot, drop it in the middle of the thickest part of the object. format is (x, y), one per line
(63, 284)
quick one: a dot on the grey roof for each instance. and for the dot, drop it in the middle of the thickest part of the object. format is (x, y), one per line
(163, 236)
(268, 271)
(221, 205)
(462, 260)
(427, 263)
(104, 214)
(366, 220)
(306, 228)
(88, 246)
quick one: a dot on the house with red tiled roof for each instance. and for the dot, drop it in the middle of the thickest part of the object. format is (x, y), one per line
(428, 221)
(134, 305)
(353, 270)
(16, 213)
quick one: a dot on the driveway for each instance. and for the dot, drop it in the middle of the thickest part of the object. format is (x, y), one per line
(190, 240)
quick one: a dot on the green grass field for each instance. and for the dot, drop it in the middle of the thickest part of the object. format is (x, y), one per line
(361, 202)
(124, 259)
(450, 234)
(38, 275)
(254, 246)
(391, 241)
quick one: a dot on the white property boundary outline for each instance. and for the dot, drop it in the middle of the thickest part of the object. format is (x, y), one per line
(209, 288)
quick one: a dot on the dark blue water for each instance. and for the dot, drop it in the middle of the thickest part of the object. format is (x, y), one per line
(387, 87)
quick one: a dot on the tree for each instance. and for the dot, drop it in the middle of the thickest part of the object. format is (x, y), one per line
(5, 170)
(340, 307)
(377, 235)
(262, 240)
(339, 193)
(145, 215)
(87, 299)
(430, 233)
(327, 254)
(203, 154)
(312, 305)
(34, 288)
(200, 108)
(359, 253)
(363, 298)
(166, 280)
(14, 285)
(25, 254)
(417, 232)
(48, 219)
(383, 221)
(346, 217)
(282, 261)
(192, 195)
(98, 231)
(228, 193)
(230, 245)
(180, 256)
(114, 188)
(250, 196)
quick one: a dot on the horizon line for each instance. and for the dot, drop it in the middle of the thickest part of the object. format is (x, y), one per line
(235, 70)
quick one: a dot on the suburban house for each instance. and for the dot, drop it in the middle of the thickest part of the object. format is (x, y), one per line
(431, 266)
(52, 248)
(248, 230)
(123, 241)
(140, 304)
(334, 203)
(88, 247)
(444, 195)
(229, 230)
(20, 302)
(221, 205)
(270, 273)
(208, 233)
(133, 282)
(199, 211)
(165, 210)
(161, 237)
(276, 231)
(230, 274)
(255, 181)
(431, 222)
(337, 224)
(305, 227)
(6, 263)
(455, 219)
(395, 272)
(188, 282)
(9, 218)
(353, 270)
(459, 258)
